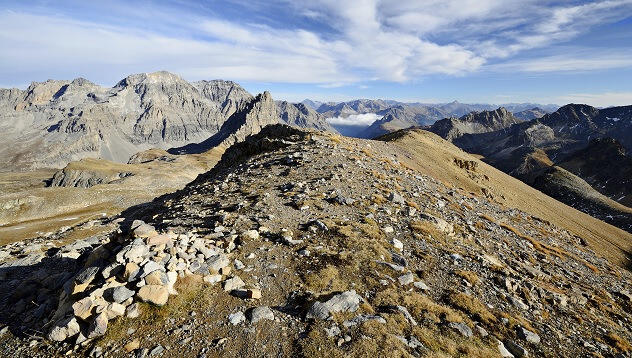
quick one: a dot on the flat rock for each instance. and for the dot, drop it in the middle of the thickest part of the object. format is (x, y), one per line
(233, 283)
(348, 301)
(406, 279)
(99, 326)
(260, 313)
(154, 294)
(528, 336)
(462, 328)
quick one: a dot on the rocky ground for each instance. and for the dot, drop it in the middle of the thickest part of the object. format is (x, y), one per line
(308, 244)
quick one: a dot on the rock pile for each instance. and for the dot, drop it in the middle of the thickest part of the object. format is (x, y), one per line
(112, 282)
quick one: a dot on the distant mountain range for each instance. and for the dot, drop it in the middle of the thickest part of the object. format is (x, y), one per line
(393, 115)
(54, 122)
(577, 154)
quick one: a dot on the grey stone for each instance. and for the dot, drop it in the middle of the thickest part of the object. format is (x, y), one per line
(333, 331)
(118, 294)
(156, 351)
(99, 325)
(233, 283)
(421, 285)
(503, 350)
(395, 198)
(348, 301)
(363, 318)
(516, 349)
(528, 336)
(414, 343)
(218, 262)
(406, 279)
(236, 318)
(259, 313)
(462, 328)
(150, 267)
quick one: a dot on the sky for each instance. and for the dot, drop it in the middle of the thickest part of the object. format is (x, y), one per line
(473, 51)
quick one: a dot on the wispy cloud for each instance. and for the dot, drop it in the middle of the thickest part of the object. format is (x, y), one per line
(352, 41)
(570, 61)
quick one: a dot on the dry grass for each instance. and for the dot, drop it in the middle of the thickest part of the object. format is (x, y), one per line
(422, 227)
(378, 175)
(412, 204)
(367, 152)
(618, 342)
(517, 320)
(378, 199)
(325, 280)
(418, 305)
(540, 246)
(429, 154)
(469, 276)
(473, 307)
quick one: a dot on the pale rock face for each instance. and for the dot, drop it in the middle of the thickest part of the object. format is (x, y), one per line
(301, 115)
(54, 122)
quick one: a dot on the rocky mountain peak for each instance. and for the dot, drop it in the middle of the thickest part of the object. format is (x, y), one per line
(499, 117)
(151, 78)
(474, 122)
(574, 113)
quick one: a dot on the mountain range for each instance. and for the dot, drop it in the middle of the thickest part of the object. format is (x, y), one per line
(548, 152)
(394, 115)
(54, 122)
(169, 218)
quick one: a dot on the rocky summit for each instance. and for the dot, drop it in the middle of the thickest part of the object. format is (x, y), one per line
(306, 243)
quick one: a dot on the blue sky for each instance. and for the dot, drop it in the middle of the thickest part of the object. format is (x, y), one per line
(485, 51)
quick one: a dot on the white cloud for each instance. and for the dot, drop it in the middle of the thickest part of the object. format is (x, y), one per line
(360, 120)
(389, 40)
(570, 61)
(607, 99)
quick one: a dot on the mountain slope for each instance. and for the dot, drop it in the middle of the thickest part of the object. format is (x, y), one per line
(401, 117)
(303, 116)
(90, 187)
(55, 122)
(604, 164)
(380, 258)
(529, 114)
(474, 122)
(562, 138)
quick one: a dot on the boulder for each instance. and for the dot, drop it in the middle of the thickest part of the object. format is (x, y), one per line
(154, 294)
(528, 336)
(233, 283)
(82, 309)
(236, 318)
(348, 301)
